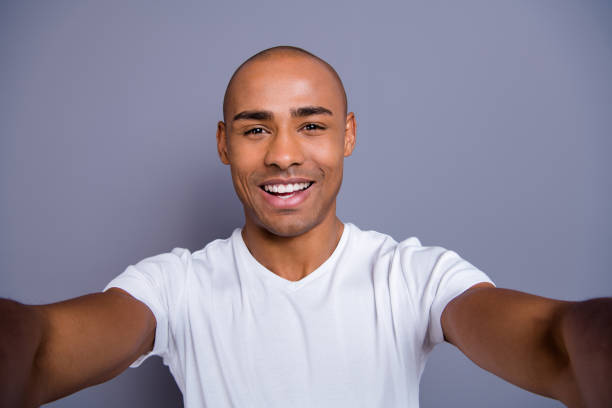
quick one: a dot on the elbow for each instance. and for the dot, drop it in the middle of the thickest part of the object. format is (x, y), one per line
(586, 329)
(20, 337)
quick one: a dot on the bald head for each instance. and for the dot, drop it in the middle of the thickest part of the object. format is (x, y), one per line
(277, 55)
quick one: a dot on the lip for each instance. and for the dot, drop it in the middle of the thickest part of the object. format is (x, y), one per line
(293, 180)
(286, 203)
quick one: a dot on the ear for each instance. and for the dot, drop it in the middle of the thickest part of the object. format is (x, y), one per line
(350, 133)
(222, 143)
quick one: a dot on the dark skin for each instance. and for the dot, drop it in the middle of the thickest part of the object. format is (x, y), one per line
(285, 118)
(301, 131)
(55, 350)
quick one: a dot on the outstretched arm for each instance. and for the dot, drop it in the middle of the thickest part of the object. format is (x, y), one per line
(50, 351)
(562, 350)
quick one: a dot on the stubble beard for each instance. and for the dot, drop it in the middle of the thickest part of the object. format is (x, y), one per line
(291, 223)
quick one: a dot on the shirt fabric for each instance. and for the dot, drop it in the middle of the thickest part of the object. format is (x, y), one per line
(356, 332)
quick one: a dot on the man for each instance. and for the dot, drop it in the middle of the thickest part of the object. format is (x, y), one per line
(298, 308)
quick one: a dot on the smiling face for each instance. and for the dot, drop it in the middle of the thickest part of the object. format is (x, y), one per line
(285, 138)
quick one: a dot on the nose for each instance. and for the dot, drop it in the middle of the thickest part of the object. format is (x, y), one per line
(284, 150)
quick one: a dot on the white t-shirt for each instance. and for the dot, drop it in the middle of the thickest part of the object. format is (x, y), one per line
(356, 332)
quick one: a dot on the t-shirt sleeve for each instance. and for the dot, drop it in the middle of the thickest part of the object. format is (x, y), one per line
(434, 277)
(158, 282)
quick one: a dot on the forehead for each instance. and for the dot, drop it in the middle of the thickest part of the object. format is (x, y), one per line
(279, 84)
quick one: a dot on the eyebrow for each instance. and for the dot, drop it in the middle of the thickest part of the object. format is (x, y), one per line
(296, 113)
(309, 111)
(253, 115)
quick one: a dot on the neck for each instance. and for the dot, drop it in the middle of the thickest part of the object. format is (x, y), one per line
(293, 258)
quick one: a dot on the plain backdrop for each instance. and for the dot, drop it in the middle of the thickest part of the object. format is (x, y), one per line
(484, 127)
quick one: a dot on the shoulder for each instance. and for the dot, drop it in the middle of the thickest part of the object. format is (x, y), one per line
(174, 268)
(369, 240)
(420, 266)
(387, 246)
(217, 253)
(176, 258)
(413, 256)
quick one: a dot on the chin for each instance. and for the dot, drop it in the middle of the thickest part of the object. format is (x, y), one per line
(288, 228)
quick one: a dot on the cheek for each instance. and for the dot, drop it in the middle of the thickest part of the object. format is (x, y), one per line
(328, 155)
(241, 167)
(244, 158)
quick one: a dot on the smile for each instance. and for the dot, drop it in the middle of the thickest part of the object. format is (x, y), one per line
(285, 191)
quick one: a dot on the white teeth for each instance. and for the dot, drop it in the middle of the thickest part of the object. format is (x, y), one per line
(285, 188)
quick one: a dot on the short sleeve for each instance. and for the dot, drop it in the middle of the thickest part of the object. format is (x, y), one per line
(157, 282)
(434, 277)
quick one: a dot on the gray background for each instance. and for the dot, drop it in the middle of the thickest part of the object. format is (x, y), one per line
(482, 127)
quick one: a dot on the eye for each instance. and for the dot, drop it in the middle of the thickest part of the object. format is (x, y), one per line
(313, 128)
(254, 131)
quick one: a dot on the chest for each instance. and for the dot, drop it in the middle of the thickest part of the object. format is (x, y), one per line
(337, 340)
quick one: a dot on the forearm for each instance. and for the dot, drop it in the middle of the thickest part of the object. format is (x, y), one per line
(21, 331)
(586, 328)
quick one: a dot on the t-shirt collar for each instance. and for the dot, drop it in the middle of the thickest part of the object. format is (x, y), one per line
(273, 279)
